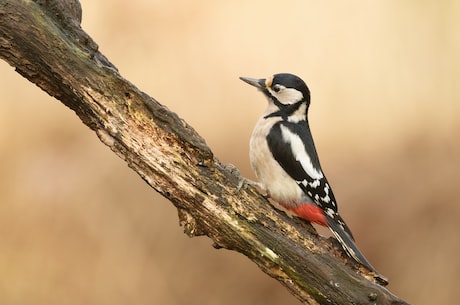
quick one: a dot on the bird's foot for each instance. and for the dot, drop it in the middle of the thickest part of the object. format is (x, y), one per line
(243, 182)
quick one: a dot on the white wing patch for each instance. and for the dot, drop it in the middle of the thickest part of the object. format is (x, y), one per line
(300, 154)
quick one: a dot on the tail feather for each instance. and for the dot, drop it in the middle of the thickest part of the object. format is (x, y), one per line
(343, 234)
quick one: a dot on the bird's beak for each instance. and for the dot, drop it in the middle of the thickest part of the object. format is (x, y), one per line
(258, 83)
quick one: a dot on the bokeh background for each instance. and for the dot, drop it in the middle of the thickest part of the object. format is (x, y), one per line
(77, 226)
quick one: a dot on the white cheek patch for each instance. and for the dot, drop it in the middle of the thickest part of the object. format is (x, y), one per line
(287, 95)
(299, 152)
(290, 96)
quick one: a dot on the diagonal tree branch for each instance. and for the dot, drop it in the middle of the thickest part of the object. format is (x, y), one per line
(44, 41)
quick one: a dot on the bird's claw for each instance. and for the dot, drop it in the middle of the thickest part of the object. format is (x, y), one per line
(243, 182)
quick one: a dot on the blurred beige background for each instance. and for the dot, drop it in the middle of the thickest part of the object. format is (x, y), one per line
(77, 226)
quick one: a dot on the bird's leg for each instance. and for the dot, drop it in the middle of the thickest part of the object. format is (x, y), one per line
(243, 182)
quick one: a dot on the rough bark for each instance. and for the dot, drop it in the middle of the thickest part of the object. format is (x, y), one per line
(43, 40)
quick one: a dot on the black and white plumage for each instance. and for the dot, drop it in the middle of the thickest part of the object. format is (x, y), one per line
(284, 159)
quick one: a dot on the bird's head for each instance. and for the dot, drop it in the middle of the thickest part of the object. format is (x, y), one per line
(282, 89)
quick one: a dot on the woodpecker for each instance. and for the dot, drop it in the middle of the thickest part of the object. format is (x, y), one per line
(284, 159)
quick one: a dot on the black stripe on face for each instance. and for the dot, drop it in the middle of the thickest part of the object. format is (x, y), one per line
(284, 110)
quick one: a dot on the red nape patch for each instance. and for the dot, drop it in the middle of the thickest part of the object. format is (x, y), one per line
(310, 212)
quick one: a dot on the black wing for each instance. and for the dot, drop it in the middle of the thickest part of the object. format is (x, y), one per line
(292, 147)
(291, 144)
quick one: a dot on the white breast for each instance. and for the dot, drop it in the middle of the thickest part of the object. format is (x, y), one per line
(278, 183)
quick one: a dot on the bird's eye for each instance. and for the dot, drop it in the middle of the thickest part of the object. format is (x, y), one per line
(277, 88)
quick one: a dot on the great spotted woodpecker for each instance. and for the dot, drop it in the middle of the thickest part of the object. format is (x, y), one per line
(284, 159)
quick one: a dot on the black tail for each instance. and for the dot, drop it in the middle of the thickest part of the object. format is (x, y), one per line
(343, 234)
